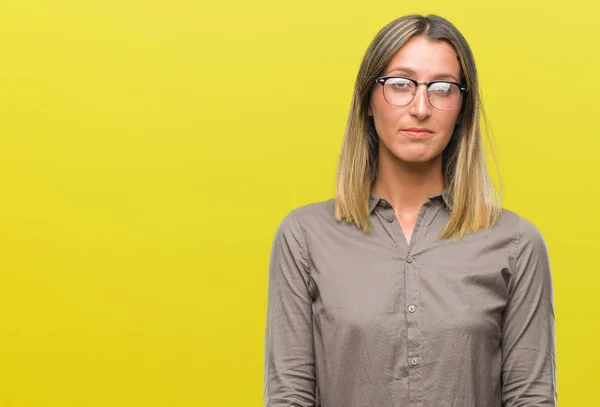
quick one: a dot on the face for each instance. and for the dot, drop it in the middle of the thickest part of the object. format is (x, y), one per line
(423, 60)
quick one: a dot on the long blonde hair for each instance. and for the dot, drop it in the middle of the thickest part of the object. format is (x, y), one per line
(475, 201)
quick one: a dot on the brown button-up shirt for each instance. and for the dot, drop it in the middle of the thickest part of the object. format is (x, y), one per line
(369, 320)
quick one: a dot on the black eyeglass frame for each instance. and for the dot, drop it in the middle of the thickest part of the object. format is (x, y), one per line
(381, 80)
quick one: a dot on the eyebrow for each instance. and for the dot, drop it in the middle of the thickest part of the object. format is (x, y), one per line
(409, 71)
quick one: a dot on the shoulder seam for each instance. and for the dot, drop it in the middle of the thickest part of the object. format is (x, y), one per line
(515, 246)
(303, 248)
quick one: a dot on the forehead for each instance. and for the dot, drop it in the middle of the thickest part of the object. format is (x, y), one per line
(428, 59)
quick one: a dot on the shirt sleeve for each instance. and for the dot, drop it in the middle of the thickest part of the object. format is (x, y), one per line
(289, 377)
(528, 327)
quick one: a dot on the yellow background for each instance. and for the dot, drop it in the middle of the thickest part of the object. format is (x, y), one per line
(150, 149)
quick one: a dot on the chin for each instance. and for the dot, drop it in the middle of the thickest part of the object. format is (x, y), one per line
(414, 158)
(411, 153)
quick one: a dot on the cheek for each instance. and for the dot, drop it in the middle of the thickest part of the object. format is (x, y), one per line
(446, 130)
(382, 111)
(448, 119)
(447, 124)
(385, 117)
(386, 126)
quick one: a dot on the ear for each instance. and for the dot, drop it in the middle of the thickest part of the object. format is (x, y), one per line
(370, 111)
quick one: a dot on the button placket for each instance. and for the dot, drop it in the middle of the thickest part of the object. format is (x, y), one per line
(414, 346)
(411, 308)
(414, 335)
(388, 215)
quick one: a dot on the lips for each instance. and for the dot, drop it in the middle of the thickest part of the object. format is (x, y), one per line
(416, 132)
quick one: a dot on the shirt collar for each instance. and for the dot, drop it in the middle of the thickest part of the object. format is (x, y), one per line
(444, 196)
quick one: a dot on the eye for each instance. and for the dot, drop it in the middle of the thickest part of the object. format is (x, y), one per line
(443, 89)
(399, 84)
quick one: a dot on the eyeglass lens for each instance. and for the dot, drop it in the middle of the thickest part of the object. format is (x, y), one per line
(442, 95)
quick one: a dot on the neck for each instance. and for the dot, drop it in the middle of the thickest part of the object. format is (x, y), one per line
(407, 185)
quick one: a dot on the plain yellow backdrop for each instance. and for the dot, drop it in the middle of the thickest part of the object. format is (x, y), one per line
(149, 149)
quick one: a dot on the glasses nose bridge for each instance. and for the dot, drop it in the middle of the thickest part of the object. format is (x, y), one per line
(418, 83)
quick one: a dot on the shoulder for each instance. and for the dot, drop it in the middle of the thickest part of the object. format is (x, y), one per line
(307, 216)
(523, 230)
(528, 249)
(314, 210)
(312, 214)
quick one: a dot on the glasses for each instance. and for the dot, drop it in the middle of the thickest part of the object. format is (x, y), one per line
(400, 91)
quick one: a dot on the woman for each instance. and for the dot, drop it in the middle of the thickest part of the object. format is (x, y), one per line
(413, 287)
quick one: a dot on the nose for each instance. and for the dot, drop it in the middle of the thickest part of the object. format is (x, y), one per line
(419, 107)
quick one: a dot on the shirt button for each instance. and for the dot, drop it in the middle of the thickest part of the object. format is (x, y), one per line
(412, 308)
(389, 218)
(410, 259)
(414, 361)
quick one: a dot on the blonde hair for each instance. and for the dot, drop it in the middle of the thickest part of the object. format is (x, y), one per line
(475, 201)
